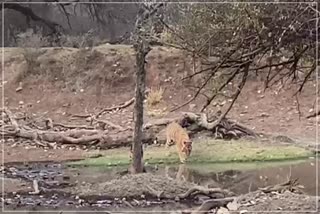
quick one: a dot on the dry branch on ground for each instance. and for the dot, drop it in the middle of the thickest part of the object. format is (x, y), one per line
(221, 127)
(72, 134)
(208, 205)
(97, 134)
(290, 185)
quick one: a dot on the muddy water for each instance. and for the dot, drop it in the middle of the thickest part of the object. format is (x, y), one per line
(244, 178)
(55, 178)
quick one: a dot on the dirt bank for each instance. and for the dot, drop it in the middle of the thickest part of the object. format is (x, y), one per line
(67, 81)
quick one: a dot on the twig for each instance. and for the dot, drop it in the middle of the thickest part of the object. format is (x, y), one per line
(28, 12)
(220, 88)
(72, 126)
(313, 68)
(204, 84)
(124, 105)
(121, 106)
(313, 115)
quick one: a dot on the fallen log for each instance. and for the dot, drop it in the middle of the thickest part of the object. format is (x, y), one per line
(225, 128)
(210, 192)
(96, 134)
(290, 185)
(208, 205)
(80, 137)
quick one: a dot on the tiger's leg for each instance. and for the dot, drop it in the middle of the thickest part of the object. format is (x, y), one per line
(167, 146)
(167, 143)
(180, 174)
(166, 171)
(182, 158)
(180, 153)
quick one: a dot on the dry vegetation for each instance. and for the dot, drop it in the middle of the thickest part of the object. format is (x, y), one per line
(154, 96)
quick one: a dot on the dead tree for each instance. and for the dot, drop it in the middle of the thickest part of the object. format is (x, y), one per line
(142, 48)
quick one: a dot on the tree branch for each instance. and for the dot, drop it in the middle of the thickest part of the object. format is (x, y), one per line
(28, 12)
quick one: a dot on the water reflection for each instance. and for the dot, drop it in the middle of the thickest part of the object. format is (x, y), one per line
(247, 180)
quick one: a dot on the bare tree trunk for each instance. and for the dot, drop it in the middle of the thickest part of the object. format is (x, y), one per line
(142, 48)
(137, 163)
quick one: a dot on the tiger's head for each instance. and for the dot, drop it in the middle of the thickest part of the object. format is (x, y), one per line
(187, 147)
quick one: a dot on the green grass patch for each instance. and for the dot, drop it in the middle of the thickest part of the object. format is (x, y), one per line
(212, 151)
(243, 166)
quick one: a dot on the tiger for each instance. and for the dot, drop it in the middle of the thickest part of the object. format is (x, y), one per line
(177, 135)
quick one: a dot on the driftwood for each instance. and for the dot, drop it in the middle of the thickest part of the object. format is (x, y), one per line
(222, 128)
(208, 205)
(109, 135)
(290, 185)
(161, 122)
(218, 195)
(211, 192)
(103, 139)
(192, 193)
(79, 135)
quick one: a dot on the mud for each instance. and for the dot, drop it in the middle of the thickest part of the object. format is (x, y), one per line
(66, 188)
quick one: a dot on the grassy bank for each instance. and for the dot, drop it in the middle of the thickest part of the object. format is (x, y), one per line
(204, 152)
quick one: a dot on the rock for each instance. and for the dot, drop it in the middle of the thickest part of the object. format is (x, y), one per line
(264, 114)
(233, 206)
(223, 103)
(192, 107)
(18, 89)
(223, 210)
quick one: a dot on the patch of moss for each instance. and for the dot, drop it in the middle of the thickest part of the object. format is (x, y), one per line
(211, 151)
